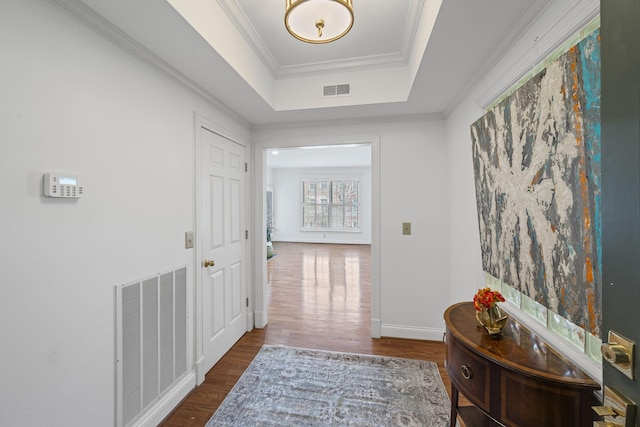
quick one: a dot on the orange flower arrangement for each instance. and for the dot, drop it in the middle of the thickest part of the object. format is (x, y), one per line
(486, 298)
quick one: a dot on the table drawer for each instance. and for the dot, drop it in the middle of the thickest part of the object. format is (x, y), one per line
(470, 374)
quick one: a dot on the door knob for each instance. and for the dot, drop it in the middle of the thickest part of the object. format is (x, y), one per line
(619, 352)
(208, 263)
(616, 354)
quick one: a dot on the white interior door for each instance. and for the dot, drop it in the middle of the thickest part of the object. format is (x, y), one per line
(223, 244)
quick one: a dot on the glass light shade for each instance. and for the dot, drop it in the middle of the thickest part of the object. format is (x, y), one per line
(302, 18)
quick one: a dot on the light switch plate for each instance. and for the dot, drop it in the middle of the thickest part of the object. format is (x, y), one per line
(406, 228)
(188, 239)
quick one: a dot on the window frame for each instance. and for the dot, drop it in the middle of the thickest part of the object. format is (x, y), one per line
(317, 182)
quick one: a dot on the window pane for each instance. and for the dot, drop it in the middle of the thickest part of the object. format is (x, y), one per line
(337, 216)
(308, 216)
(337, 194)
(354, 190)
(323, 193)
(307, 192)
(351, 217)
(322, 216)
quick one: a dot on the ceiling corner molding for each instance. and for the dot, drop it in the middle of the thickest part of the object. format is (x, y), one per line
(95, 22)
(364, 63)
(541, 47)
(235, 13)
(375, 120)
(413, 18)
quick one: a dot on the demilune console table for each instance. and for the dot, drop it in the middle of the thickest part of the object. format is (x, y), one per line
(516, 380)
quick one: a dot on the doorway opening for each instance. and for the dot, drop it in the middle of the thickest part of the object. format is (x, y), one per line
(285, 171)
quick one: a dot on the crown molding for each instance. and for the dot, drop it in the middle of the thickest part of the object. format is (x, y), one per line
(87, 16)
(239, 19)
(365, 63)
(401, 118)
(413, 19)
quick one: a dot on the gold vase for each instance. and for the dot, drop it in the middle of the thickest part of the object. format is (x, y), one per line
(492, 319)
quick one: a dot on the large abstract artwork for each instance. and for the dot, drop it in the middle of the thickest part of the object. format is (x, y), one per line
(536, 159)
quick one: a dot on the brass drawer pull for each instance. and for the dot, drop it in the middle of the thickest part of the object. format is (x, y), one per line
(467, 373)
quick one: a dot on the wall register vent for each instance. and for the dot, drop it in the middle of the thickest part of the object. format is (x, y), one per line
(337, 90)
(151, 341)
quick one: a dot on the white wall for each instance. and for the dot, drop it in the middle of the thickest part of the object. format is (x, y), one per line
(560, 20)
(288, 198)
(414, 273)
(413, 269)
(74, 102)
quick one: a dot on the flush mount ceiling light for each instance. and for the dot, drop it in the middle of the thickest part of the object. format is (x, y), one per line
(318, 21)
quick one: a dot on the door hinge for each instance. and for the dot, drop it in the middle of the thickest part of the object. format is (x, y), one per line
(247, 302)
(246, 234)
(246, 167)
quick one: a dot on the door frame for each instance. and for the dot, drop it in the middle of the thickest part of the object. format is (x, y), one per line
(199, 358)
(260, 300)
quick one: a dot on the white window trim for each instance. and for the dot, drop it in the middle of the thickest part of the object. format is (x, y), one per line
(328, 177)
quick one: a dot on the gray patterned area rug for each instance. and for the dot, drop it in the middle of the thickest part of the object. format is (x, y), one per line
(292, 387)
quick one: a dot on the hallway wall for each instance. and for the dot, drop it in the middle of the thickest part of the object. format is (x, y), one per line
(558, 22)
(413, 269)
(74, 102)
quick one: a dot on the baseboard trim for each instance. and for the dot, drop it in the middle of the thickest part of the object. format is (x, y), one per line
(325, 240)
(200, 371)
(250, 321)
(376, 328)
(163, 407)
(259, 320)
(412, 332)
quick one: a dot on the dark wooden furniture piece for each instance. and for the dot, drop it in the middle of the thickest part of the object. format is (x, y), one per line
(516, 380)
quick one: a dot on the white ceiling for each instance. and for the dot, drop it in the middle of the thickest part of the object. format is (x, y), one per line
(320, 156)
(378, 30)
(256, 64)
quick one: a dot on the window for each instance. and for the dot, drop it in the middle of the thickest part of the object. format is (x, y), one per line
(331, 205)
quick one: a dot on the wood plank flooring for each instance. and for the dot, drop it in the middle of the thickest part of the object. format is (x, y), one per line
(319, 297)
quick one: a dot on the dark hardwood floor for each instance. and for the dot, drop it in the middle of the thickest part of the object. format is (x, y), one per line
(319, 297)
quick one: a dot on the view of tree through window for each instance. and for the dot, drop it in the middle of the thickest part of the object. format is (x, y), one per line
(332, 205)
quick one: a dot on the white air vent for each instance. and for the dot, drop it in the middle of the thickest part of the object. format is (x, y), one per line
(151, 342)
(337, 90)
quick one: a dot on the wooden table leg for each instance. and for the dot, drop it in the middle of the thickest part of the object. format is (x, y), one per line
(454, 405)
